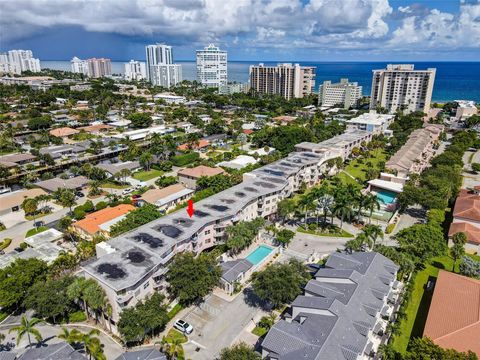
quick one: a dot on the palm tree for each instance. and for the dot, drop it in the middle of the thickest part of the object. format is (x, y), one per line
(373, 232)
(70, 336)
(92, 345)
(371, 204)
(306, 202)
(326, 204)
(361, 201)
(342, 210)
(94, 188)
(27, 327)
(124, 173)
(172, 346)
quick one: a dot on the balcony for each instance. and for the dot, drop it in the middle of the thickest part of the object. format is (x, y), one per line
(122, 299)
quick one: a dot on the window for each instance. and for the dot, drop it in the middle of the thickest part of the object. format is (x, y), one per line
(145, 285)
(207, 232)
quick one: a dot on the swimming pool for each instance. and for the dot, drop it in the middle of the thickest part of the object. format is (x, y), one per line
(386, 197)
(260, 253)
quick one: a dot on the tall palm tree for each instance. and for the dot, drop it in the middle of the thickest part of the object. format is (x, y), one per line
(91, 344)
(306, 202)
(373, 232)
(342, 210)
(27, 327)
(325, 203)
(172, 346)
(361, 201)
(371, 204)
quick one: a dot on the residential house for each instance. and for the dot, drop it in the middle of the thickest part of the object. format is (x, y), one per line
(167, 198)
(373, 122)
(76, 183)
(189, 176)
(234, 273)
(466, 219)
(100, 222)
(453, 320)
(96, 129)
(150, 353)
(11, 202)
(240, 162)
(114, 168)
(63, 132)
(58, 351)
(201, 145)
(16, 160)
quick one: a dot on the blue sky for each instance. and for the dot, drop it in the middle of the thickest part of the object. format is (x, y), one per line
(259, 30)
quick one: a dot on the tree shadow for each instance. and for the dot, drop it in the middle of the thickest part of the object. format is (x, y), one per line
(7, 346)
(422, 312)
(43, 342)
(252, 300)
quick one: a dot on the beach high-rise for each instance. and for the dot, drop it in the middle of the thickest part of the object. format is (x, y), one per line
(17, 61)
(287, 80)
(212, 66)
(401, 87)
(98, 68)
(161, 71)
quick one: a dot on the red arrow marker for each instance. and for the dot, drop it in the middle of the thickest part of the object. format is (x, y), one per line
(190, 209)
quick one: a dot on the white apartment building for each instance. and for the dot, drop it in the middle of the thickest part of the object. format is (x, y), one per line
(287, 80)
(401, 87)
(99, 67)
(135, 70)
(345, 93)
(372, 122)
(212, 66)
(233, 88)
(161, 71)
(133, 265)
(17, 61)
(79, 66)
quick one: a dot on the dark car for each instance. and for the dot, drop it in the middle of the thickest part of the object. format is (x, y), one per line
(79, 194)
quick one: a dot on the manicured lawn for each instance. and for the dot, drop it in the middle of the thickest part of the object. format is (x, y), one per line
(335, 233)
(357, 169)
(34, 231)
(147, 175)
(419, 302)
(112, 185)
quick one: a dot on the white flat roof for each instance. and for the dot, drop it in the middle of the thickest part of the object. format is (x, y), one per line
(387, 185)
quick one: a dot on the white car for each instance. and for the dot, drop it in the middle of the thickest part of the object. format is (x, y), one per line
(127, 191)
(183, 326)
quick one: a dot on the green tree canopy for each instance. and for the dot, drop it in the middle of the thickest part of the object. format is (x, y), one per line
(191, 278)
(280, 283)
(240, 351)
(423, 241)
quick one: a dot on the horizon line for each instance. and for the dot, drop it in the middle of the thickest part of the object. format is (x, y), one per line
(301, 61)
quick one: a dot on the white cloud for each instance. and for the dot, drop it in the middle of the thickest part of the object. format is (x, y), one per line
(358, 25)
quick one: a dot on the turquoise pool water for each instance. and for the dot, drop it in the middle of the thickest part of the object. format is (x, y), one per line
(260, 253)
(386, 197)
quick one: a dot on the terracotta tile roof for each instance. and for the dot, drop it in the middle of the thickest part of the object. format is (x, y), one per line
(248, 131)
(201, 170)
(91, 223)
(285, 118)
(63, 131)
(95, 128)
(454, 317)
(472, 231)
(201, 144)
(467, 206)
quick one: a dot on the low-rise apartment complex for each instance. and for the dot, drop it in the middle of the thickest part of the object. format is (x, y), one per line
(342, 315)
(344, 93)
(372, 122)
(415, 155)
(133, 265)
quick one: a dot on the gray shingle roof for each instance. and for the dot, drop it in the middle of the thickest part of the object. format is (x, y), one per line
(348, 299)
(144, 354)
(231, 270)
(59, 351)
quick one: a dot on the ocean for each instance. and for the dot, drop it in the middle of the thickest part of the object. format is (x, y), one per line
(453, 81)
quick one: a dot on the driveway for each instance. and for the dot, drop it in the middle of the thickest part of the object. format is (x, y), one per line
(217, 323)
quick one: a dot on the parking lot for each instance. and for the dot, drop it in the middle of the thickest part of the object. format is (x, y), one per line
(217, 323)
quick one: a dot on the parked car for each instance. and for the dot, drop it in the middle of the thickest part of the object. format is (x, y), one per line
(39, 223)
(79, 194)
(183, 326)
(127, 191)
